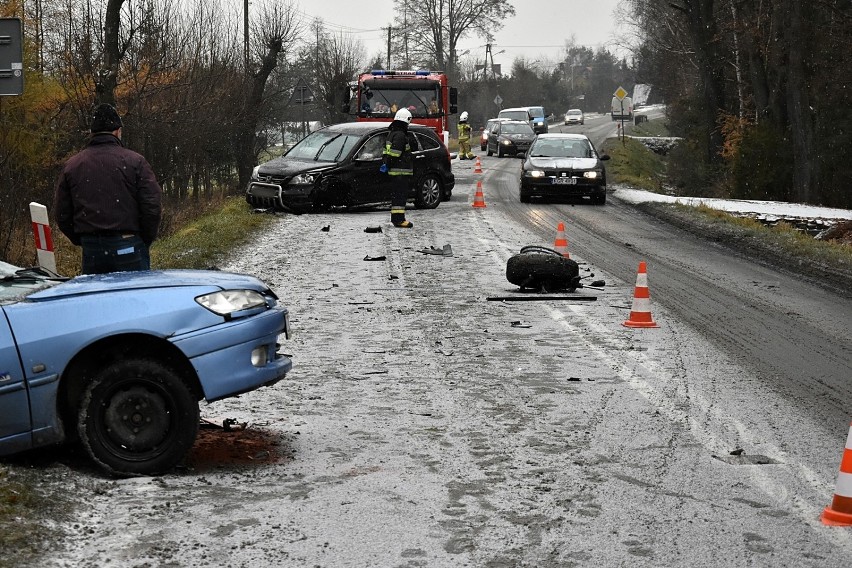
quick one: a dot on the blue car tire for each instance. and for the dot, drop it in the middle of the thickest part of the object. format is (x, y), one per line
(138, 417)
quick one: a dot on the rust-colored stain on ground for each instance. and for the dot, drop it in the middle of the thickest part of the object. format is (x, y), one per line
(217, 447)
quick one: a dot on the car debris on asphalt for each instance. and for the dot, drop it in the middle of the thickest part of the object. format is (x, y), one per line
(445, 251)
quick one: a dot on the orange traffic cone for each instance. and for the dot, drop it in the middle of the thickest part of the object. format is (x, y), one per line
(839, 513)
(640, 313)
(478, 168)
(478, 197)
(560, 245)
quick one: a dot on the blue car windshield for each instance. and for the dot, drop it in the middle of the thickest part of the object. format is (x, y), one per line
(323, 146)
(16, 283)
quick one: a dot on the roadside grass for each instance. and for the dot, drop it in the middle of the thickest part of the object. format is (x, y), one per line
(632, 163)
(205, 241)
(193, 235)
(783, 237)
(649, 128)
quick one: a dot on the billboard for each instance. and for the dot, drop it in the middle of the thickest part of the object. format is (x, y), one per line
(11, 57)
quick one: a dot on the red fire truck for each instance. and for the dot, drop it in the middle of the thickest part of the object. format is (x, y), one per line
(377, 96)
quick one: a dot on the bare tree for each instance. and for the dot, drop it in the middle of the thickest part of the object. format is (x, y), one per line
(275, 30)
(430, 30)
(338, 60)
(107, 78)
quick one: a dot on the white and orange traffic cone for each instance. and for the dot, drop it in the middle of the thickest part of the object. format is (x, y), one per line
(560, 245)
(478, 168)
(839, 513)
(640, 313)
(479, 197)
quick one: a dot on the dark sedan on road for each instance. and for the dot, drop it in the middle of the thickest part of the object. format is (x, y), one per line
(339, 166)
(483, 137)
(563, 166)
(510, 137)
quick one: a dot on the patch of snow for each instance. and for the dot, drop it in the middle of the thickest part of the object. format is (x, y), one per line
(776, 208)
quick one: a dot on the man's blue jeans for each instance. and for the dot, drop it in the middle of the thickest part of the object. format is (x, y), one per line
(114, 253)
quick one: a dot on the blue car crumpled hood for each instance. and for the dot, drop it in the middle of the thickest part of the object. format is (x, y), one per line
(122, 281)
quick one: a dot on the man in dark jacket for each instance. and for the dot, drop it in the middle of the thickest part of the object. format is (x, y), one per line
(398, 163)
(108, 200)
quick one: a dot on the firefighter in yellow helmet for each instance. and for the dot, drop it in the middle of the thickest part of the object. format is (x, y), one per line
(464, 138)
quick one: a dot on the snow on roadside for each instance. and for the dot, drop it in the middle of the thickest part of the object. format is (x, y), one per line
(775, 208)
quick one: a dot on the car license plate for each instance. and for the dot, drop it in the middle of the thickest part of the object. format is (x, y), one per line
(565, 181)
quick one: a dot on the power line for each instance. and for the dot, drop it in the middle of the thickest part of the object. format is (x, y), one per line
(339, 27)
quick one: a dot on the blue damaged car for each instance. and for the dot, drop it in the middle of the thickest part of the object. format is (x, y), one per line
(120, 361)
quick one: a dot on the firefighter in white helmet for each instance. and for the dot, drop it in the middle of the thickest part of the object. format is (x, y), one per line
(398, 162)
(464, 138)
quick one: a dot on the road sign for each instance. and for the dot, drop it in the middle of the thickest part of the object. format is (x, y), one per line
(11, 57)
(620, 93)
(302, 93)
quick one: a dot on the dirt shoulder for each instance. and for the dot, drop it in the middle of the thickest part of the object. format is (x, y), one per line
(760, 245)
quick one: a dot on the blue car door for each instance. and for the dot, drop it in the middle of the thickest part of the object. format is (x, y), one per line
(14, 402)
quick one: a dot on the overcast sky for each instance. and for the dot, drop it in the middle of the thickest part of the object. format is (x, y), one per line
(538, 30)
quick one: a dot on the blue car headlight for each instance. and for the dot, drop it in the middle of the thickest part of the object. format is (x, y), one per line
(228, 302)
(534, 174)
(591, 174)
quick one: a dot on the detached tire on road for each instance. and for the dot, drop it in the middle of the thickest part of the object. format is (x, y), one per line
(543, 269)
(138, 417)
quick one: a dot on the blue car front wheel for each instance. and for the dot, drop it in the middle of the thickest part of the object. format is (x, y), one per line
(138, 417)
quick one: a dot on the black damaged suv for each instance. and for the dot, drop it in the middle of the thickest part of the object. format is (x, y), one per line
(339, 166)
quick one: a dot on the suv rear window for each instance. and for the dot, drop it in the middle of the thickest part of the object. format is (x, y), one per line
(426, 142)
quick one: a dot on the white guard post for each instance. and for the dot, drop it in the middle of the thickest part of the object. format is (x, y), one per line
(43, 239)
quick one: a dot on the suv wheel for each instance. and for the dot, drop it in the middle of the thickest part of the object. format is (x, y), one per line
(428, 192)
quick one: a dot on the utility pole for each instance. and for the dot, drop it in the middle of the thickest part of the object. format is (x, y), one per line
(389, 46)
(316, 56)
(246, 34)
(485, 62)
